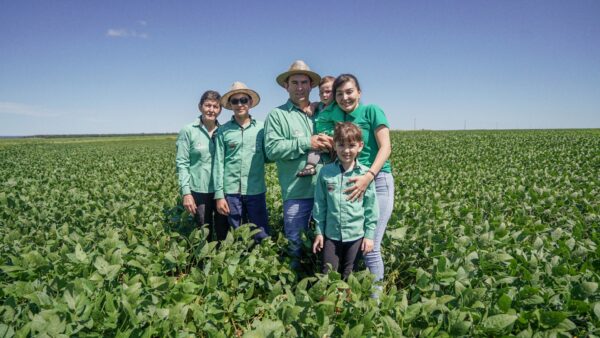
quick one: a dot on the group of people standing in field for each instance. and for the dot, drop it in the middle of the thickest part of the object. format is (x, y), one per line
(332, 161)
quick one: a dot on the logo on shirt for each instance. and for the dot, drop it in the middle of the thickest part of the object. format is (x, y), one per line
(199, 146)
(232, 145)
(330, 187)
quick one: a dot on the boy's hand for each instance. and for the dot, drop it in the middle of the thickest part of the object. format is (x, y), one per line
(222, 207)
(318, 244)
(367, 245)
(189, 204)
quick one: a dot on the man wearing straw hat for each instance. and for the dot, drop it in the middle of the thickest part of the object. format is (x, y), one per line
(239, 165)
(288, 138)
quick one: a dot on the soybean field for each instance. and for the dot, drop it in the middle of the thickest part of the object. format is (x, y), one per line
(494, 233)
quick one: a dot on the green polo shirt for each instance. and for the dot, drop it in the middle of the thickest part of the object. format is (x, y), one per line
(337, 218)
(240, 159)
(324, 124)
(195, 149)
(287, 142)
(368, 118)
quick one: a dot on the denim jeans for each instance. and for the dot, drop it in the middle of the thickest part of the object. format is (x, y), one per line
(384, 184)
(249, 209)
(296, 215)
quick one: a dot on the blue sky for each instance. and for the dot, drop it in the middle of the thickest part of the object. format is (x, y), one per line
(140, 66)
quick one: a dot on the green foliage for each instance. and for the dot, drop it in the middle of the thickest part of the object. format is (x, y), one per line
(493, 234)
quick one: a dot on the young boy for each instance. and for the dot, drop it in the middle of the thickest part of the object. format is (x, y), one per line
(323, 125)
(239, 173)
(343, 227)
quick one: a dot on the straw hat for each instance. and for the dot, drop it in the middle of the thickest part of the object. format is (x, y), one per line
(236, 88)
(299, 67)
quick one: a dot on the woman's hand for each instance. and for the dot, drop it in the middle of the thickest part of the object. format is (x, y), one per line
(360, 186)
(189, 204)
(367, 245)
(318, 244)
(222, 207)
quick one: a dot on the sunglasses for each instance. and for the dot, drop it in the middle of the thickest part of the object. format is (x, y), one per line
(243, 100)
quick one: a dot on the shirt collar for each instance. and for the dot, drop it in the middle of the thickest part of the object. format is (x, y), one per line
(357, 166)
(334, 106)
(290, 106)
(252, 121)
(198, 122)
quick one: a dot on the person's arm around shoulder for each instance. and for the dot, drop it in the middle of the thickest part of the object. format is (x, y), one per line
(371, 212)
(320, 211)
(218, 173)
(182, 162)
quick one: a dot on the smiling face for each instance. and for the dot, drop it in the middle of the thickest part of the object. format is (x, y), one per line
(347, 96)
(240, 109)
(347, 151)
(298, 86)
(210, 110)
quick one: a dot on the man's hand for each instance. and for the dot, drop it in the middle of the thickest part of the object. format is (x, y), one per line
(222, 207)
(189, 204)
(321, 142)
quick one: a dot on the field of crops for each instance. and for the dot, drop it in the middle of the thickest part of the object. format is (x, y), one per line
(493, 233)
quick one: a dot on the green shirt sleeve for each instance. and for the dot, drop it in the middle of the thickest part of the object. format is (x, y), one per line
(263, 145)
(320, 205)
(371, 208)
(279, 145)
(377, 117)
(218, 163)
(182, 161)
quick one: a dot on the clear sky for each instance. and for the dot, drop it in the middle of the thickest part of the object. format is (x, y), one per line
(140, 66)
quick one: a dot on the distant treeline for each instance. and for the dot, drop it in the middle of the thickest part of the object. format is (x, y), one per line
(90, 135)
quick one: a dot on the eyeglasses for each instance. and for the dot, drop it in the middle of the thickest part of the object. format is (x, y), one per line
(243, 100)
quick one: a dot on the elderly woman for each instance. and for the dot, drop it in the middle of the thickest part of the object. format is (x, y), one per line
(195, 151)
(375, 155)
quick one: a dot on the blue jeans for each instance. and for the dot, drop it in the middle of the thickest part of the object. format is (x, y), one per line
(384, 184)
(296, 215)
(249, 209)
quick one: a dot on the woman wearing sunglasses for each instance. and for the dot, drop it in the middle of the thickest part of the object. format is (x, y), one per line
(239, 167)
(375, 154)
(195, 151)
